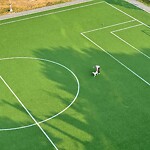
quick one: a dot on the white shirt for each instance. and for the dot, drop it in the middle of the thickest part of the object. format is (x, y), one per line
(97, 67)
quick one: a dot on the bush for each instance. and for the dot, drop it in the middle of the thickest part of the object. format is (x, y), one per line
(145, 1)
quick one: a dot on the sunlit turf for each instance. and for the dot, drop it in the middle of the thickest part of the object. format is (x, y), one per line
(111, 111)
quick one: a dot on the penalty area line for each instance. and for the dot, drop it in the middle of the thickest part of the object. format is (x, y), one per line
(113, 32)
(127, 14)
(109, 26)
(28, 112)
(116, 59)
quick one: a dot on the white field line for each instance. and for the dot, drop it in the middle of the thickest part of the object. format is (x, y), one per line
(134, 19)
(18, 128)
(127, 14)
(42, 59)
(28, 113)
(43, 9)
(86, 38)
(117, 60)
(51, 13)
(126, 28)
(113, 32)
(113, 25)
(73, 9)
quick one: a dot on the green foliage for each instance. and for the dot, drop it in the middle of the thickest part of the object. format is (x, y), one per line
(145, 1)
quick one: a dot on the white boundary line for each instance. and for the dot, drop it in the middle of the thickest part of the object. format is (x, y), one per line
(43, 9)
(51, 13)
(127, 14)
(113, 32)
(73, 73)
(28, 112)
(42, 59)
(116, 59)
(126, 28)
(134, 19)
(108, 52)
(73, 9)
(108, 26)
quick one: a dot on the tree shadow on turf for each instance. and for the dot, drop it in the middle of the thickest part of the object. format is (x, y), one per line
(14, 105)
(123, 4)
(147, 32)
(102, 116)
(18, 110)
(20, 139)
(23, 139)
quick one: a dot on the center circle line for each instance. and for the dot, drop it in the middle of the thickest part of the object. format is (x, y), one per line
(57, 114)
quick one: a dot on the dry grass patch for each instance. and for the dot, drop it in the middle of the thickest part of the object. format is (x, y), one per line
(22, 5)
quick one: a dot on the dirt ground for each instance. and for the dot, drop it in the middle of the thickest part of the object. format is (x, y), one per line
(22, 5)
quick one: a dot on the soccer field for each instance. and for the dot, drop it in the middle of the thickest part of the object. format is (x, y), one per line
(49, 99)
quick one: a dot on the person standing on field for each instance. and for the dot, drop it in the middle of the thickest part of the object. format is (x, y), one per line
(97, 67)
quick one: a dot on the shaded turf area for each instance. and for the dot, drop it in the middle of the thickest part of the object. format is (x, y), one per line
(111, 111)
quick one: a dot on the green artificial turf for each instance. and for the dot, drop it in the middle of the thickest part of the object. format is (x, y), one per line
(110, 112)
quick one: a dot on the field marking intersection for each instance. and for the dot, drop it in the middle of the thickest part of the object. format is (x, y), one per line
(113, 32)
(127, 14)
(28, 113)
(83, 34)
(115, 59)
(57, 114)
(141, 23)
